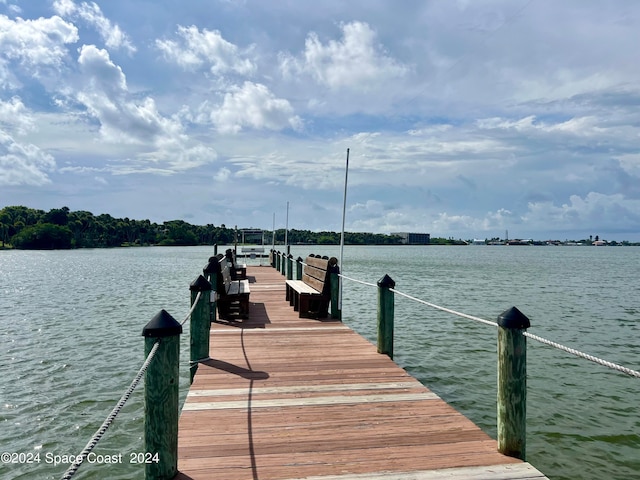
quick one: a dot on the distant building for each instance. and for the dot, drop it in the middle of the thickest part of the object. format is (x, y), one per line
(414, 238)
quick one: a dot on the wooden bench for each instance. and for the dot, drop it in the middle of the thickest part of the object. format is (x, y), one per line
(311, 295)
(238, 270)
(232, 294)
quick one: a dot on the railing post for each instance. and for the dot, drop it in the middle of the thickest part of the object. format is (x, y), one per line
(512, 383)
(210, 272)
(299, 268)
(385, 315)
(334, 279)
(289, 267)
(161, 396)
(215, 249)
(283, 263)
(278, 258)
(200, 325)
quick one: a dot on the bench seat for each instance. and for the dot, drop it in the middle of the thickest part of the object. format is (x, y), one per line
(311, 295)
(239, 287)
(300, 287)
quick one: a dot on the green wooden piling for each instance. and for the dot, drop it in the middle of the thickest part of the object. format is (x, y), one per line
(385, 315)
(299, 262)
(210, 272)
(512, 383)
(200, 325)
(283, 263)
(334, 284)
(278, 258)
(161, 396)
(289, 267)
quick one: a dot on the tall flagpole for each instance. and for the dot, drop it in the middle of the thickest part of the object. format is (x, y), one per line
(344, 210)
(286, 232)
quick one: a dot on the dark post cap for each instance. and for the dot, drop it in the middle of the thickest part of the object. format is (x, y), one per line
(386, 282)
(212, 267)
(513, 318)
(299, 259)
(200, 284)
(162, 325)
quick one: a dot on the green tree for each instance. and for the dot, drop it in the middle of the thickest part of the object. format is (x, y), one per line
(57, 216)
(43, 236)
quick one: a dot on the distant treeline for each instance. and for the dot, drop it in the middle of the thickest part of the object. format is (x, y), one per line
(60, 228)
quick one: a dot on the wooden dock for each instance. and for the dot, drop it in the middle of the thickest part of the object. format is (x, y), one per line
(290, 398)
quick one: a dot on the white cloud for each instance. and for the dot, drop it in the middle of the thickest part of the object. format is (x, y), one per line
(138, 122)
(585, 126)
(13, 8)
(207, 48)
(34, 44)
(15, 116)
(595, 210)
(223, 175)
(630, 163)
(23, 164)
(253, 105)
(107, 98)
(356, 61)
(105, 94)
(91, 13)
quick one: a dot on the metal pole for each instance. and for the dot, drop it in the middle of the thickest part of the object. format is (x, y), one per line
(286, 232)
(344, 209)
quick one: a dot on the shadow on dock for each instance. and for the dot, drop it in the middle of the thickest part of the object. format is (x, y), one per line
(235, 369)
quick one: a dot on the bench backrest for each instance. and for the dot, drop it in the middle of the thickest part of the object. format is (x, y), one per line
(219, 271)
(316, 273)
(226, 274)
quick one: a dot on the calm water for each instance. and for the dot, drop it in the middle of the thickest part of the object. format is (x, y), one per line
(72, 321)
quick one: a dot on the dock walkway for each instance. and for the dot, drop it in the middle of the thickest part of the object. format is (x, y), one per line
(290, 398)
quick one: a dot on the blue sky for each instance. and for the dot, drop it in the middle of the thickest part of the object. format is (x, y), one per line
(463, 119)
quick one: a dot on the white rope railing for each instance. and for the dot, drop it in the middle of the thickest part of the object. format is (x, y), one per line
(358, 281)
(79, 459)
(572, 351)
(193, 307)
(586, 356)
(444, 309)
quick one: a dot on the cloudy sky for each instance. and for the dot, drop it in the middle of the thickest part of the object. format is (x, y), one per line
(463, 118)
